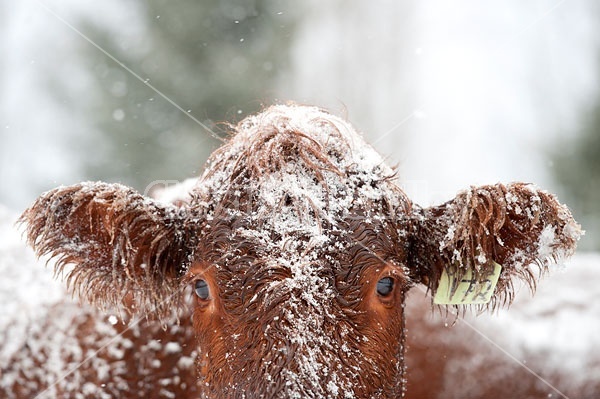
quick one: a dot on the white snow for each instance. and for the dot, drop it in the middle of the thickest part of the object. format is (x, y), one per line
(560, 324)
(172, 347)
(546, 242)
(27, 287)
(170, 191)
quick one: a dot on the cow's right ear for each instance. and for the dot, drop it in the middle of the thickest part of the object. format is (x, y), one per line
(124, 249)
(488, 234)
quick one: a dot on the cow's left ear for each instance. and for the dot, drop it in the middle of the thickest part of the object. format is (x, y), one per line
(486, 238)
(117, 247)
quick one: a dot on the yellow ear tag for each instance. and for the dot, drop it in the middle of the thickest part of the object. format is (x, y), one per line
(467, 291)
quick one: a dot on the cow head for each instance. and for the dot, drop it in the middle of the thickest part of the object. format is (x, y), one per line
(299, 249)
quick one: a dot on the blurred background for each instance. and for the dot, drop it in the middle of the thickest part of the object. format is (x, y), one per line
(454, 94)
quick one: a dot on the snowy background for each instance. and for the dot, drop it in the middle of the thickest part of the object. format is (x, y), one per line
(455, 94)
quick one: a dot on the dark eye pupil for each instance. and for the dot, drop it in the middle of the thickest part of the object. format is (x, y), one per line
(385, 286)
(201, 289)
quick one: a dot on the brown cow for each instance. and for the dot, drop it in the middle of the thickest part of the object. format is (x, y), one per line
(299, 249)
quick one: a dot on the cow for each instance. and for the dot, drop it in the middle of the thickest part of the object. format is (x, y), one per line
(283, 273)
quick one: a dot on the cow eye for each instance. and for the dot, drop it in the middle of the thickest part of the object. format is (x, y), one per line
(385, 286)
(201, 289)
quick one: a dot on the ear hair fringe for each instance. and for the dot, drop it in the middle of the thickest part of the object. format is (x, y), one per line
(124, 249)
(522, 228)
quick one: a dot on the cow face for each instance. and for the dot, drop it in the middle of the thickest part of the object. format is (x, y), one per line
(298, 248)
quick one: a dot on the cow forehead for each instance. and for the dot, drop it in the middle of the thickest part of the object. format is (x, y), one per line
(297, 151)
(296, 173)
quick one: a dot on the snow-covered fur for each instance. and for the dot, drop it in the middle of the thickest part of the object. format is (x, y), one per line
(515, 225)
(53, 347)
(289, 230)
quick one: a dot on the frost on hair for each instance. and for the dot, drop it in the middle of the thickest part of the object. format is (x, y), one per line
(125, 249)
(518, 226)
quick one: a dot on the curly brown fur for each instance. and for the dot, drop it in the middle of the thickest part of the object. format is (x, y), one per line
(500, 223)
(124, 249)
